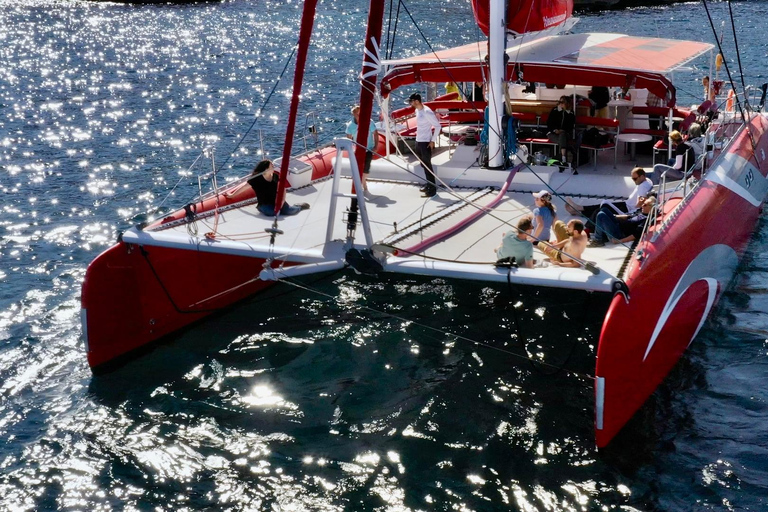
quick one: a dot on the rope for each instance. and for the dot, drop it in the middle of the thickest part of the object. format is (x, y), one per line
(738, 54)
(258, 112)
(431, 49)
(439, 331)
(535, 364)
(733, 85)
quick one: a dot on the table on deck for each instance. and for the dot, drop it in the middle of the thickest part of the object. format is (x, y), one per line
(632, 139)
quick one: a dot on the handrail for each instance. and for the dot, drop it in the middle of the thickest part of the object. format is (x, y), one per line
(723, 129)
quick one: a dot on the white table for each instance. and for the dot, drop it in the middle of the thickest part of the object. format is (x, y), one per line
(456, 131)
(632, 139)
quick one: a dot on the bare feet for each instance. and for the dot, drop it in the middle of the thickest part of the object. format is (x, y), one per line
(570, 209)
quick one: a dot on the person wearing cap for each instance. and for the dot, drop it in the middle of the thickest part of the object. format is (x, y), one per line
(427, 133)
(544, 214)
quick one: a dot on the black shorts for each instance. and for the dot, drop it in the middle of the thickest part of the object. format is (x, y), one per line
(367, 165)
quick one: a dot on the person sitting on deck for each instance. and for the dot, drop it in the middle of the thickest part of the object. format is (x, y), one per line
(643, 187)
(560, 124)
(516, 243)
(264, 184)
(570, 245)
(620, 229)
(543, 216)
(684, 158)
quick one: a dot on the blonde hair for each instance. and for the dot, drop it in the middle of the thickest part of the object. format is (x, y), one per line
(675, 136)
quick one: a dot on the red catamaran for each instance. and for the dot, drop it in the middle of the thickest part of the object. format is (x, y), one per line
(158, 278)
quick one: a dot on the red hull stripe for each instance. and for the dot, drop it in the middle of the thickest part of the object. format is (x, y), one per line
(677, 283)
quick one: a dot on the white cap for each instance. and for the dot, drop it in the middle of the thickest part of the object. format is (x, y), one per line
(541, 194)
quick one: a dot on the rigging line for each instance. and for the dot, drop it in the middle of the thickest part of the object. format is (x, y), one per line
(189, 169)
(725, 62)
(586, 264)
(389, 30)
(431, 49)
(733, 85)
(394, 31)
(145, 254)
(738, 54)
(434, 329)
(263, 106)
(535, 364)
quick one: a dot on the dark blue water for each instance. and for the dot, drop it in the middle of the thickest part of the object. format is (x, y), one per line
(401, 394)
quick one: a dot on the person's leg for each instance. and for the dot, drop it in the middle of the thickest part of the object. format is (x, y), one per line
(367, 168)
(614, 208)
(658, 171)
(560, 229)
(562, 143)
(266, 209)
(607, 227)
(550, 252)
(289, 210)
(426, 161)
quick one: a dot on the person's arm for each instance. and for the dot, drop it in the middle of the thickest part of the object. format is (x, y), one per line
(558, 245)
(528, 263)
(642, 192)
(570, 121)
(435, 127)
(539, 227)
(551, 120)
(678, 162)
(630, 238)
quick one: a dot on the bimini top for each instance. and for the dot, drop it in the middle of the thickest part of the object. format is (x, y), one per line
(611, 60)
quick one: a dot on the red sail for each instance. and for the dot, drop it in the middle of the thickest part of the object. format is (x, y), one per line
(526, 15)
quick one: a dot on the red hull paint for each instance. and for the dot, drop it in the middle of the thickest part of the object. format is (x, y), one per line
(133, 295)
(691, 261)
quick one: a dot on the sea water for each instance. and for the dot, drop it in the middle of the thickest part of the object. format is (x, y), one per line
(348, 392)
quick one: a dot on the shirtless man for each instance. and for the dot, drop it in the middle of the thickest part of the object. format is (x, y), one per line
(571, 242)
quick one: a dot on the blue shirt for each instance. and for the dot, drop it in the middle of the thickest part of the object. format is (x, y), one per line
(513, 247)
(547, 218)
(352, 130)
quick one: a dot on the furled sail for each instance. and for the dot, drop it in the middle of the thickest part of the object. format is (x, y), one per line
(526, 15)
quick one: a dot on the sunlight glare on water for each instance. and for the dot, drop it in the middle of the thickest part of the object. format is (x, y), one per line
(400, 394)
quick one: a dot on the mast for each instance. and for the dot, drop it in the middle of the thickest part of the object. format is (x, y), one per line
(305, 33)
(368, 77)
(496, 47)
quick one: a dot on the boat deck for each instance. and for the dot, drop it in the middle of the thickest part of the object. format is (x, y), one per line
(400, 218)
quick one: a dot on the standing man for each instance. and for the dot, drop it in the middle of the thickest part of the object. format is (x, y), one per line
(373, 136)
(427, 133)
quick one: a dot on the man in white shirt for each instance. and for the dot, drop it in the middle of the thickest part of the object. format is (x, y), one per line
(427, 133)
(643, 187)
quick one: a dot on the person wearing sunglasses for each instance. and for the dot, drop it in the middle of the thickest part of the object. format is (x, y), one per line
(560, 125)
